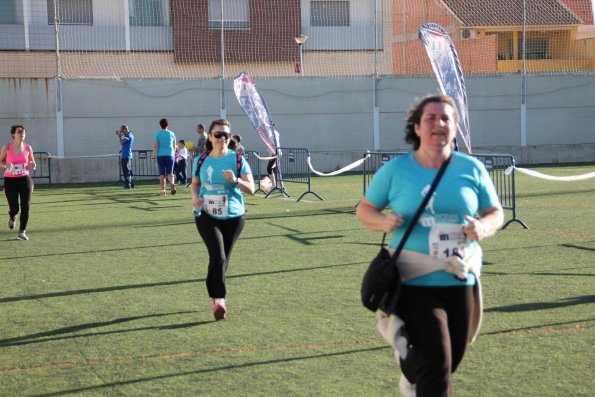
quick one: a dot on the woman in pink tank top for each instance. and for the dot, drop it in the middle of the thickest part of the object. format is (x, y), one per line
(17, 160)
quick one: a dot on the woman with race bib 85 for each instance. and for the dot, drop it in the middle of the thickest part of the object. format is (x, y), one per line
(219, 177)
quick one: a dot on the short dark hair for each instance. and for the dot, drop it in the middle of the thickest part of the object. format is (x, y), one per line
(415, 113)
(13, 129)
(238, 138)
(164, 123)
(183, 142)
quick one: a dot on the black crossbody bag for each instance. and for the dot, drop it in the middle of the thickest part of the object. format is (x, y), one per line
(381, 284)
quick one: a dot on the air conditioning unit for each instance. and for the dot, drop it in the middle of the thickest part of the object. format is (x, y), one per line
(468, 34)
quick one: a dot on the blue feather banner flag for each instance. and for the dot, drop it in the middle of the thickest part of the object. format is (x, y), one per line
(447, 68)
(252, 103)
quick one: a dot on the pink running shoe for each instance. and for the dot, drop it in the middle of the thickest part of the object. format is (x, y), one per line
(219, 309)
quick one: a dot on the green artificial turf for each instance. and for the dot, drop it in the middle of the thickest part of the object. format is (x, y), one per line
(108, 298)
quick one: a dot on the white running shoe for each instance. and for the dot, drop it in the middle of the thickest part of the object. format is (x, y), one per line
(407, 388)
(23, 235)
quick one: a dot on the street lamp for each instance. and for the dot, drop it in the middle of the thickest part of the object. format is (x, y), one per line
(300, 40)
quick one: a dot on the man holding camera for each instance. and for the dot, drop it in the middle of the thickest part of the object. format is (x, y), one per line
(126, 139)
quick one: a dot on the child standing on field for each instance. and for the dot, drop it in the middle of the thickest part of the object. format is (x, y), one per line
(181, 161)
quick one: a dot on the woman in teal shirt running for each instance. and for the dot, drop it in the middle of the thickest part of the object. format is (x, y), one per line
(439, 303)
(219, 177)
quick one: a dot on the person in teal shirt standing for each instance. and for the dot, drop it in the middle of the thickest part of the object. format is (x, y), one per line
(164, 151)
(219, 177)
(440, 298)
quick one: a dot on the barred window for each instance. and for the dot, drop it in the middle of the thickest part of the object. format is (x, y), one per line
(149, 12)
(71, 12)
(329, 13)
(535, 49)
(8, 14)
(236, 14)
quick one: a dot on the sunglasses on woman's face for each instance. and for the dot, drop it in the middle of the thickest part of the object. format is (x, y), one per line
(221, 134)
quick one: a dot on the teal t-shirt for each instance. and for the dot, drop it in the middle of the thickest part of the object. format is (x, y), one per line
(222, 198)
(465, 188)
(166, 143)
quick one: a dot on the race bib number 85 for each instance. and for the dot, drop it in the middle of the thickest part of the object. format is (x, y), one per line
(216, 205)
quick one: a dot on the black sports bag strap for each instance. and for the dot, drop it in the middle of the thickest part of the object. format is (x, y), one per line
(201, 159)
(239, 163)
(421, 208)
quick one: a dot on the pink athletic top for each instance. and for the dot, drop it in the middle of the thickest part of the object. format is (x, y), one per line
(19, 161)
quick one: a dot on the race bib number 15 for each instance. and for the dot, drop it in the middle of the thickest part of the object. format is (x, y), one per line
(446, 240)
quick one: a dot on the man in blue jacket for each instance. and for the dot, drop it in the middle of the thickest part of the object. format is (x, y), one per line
(126, 140)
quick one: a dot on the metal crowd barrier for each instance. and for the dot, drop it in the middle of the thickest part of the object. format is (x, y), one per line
(43, 168)
(144, 166)
(374, 162)
(292, 167)
(496, 165)
(252, 159)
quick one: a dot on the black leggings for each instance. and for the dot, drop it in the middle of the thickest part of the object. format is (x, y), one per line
(180, 170)
(15, 189)
(219, 236)
(437, 320)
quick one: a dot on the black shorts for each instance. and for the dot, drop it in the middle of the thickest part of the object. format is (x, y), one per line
(271, 166)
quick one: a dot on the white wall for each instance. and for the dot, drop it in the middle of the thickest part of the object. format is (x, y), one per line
(331, 117)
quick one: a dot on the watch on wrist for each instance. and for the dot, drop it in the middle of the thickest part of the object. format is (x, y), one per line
(237, 181)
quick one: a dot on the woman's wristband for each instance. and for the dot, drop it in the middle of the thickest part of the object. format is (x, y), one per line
(484, 231)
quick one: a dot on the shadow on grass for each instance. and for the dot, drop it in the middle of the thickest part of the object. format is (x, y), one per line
(162, 283)
(110, 197)
(185, 221)
(580, 300)
(48, 336)
(292, 235)
(149, 206)
(127, 249)
(578, 247)
(530, 247)
(515, 274)
(535, 327)
(554, 193)
(210, 370)
(304, 213)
